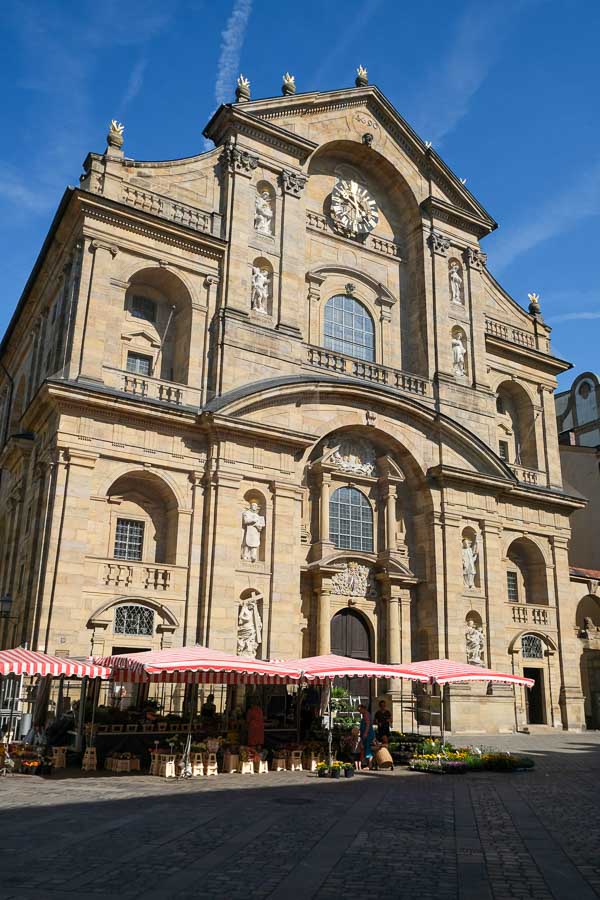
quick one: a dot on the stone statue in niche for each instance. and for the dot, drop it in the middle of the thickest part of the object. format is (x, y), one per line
(260, 289)
(590, 629)
(459, 352)
(354, 456)
(249, 632)
(474, 641)
(470, 552)
(263, 213)
(252, 525)
(456, 283)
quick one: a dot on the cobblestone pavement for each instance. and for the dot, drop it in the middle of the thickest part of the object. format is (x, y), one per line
(291, 836)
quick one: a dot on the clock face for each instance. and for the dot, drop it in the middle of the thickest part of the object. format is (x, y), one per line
(353, 210)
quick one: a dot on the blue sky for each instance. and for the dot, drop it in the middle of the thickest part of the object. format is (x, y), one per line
(506, 91)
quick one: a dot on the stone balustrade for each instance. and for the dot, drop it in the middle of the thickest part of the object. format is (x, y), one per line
(167, 208)
(508, 333)
(129, 576)
(527, 614)
(368, 371)
(147, 388)
(528, 476)
(318, 222)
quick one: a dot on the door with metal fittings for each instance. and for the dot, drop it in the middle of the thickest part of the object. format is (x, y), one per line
(350, 637)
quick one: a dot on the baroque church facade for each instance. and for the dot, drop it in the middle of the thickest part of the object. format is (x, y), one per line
(270, 399)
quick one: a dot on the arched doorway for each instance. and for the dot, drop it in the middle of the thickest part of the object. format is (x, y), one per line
(350, 637)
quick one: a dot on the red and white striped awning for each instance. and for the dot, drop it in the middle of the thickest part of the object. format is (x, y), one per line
(31, 662)
(322, 668)
(197, 665)
(446, 671)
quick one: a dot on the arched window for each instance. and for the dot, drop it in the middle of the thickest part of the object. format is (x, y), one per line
(134, 620)
(349, 328)
(531, 647)
(350, 520)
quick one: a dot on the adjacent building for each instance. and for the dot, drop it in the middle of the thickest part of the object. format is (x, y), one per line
(269, 398)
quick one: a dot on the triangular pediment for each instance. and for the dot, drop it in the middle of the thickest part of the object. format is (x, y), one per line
(306, 121)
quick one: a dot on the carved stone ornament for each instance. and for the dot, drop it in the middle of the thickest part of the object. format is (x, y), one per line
(439, 243)
(289, 84)
(354, 456)
(474, 641)
(249, 628)
(292, 182)
(362, 77)
(476, 259)
(259, 296)
(114, 138)
(237, 160)
(242, 90)
(354, 581)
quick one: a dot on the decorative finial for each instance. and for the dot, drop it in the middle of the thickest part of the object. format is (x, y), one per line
(428, 145)
(242, 91)
(289, 84)
(362, 78)
(463, 180)
(114, 138)
(534, 304)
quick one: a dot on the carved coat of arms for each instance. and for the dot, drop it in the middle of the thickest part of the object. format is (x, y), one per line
(354, 581)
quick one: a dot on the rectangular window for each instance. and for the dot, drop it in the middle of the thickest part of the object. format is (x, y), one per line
(129, 539)
(21, 574)
(512, 587)
(143, 308)
(503, 450)
(138, 363)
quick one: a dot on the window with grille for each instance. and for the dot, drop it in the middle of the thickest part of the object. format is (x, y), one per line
(143, 308)
(129, 539)
(500, 405)
(349, 328)
(503, 450)
(134, 620)
(140, 364)
(512, 586)
(350, 520)
(531, 647)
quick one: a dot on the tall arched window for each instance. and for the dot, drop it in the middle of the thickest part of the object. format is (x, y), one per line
(349, 328)
(134, 620)
(350, 520)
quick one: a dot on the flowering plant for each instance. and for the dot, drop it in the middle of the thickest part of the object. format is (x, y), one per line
(337, 765)
(322, 767)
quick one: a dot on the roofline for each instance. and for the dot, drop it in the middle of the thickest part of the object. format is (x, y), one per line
(64, 202)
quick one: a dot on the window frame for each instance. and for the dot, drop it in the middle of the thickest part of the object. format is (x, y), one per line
(125, 556)
(134, 354)
(341, 317)
(143, 300)
(355, 536)
(504, 456)
(130, 607)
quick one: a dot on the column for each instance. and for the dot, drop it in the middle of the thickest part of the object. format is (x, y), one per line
(324, 622)
(238, 165)
(292, 263)
(571, 694)
(285, 603)
(390, 515)
(475, 261)
(191, 623)
(97, 312)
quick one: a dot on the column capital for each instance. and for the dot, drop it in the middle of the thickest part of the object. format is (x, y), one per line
(439, 243)
(237, 160)
(102, 245)
(475, 258)
(292, 182)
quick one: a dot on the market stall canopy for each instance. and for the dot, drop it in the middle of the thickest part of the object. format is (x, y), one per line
(446, 671)
(322, 668)
(198, 665)
(31, 662)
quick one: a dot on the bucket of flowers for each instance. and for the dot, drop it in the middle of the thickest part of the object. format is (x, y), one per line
(336, 769)
(348, 770)
(322, 770)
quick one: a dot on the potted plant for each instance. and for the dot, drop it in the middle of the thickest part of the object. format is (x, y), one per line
(348, 770)
(322, 770)
(336, 769)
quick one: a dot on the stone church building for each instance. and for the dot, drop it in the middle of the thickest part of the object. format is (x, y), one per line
(270, 399)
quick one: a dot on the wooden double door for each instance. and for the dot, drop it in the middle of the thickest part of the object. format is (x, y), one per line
(350, 637)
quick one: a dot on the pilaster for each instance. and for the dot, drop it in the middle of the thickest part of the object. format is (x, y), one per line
(292, 266)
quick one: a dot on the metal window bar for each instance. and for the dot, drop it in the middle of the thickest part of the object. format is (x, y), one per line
(512, 587)
(351, 520)
(349, 328)
(129, 539)
(134, 620)
(138, 363)
(531, 647)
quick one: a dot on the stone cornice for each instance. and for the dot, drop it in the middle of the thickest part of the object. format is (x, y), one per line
(233, 119)
(214, 424)
(442, 211)
(536, 358)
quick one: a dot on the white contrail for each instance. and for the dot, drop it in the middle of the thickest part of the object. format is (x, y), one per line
(232, 40)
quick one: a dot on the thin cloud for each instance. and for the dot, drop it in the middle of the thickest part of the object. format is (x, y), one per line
(474, 47)
(574, 316)
(134, 85)
(347, 41)
(580, 200)
(232, 41)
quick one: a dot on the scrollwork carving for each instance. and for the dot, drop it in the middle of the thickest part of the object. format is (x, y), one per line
(293, 182)
(354, 581)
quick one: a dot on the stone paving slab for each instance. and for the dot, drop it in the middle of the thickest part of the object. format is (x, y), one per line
(291, 835)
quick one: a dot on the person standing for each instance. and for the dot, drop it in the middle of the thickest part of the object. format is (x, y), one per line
(367, 733)
(383, 721)
(256, 725)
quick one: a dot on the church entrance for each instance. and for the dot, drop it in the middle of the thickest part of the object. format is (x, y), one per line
(535, 697)
(350, 637)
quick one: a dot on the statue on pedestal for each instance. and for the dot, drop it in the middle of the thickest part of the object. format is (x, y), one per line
(474, 641)
(263, 213)
(249, 635)
(456, 283)
(252, 525)
(470, 552)
(260, 289)
(459, 351)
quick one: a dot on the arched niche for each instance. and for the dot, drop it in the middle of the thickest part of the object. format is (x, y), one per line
(158, 316)
(471, 550)
(474, 617)
(456, 281)
(141, 521)
(526, 573)
(460, 352)
(515, 423)
(264, 209)
(261, 286)
(588, 613)
(253, 523)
